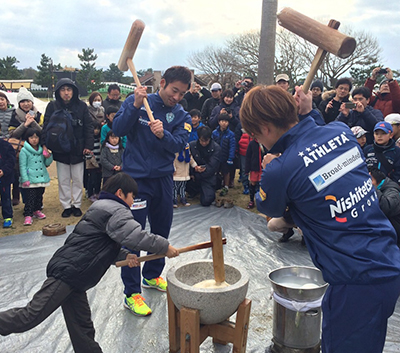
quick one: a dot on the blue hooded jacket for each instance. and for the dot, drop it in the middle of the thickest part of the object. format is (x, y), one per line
(145, 155)
(322, 177)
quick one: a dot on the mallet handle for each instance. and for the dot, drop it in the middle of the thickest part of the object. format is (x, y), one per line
(205, 245)
(318, 59)
(131, 66)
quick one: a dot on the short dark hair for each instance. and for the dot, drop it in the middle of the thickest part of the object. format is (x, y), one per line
(195, 112)
(112, 87)
(377, 174)
(224, 116)
(111, 109)
(344, 81)
(93, 96)
(364, 91)
(227, 93)
(3, 95)
(204, 132)
(30, 132)
(177, 73)
(121, 181)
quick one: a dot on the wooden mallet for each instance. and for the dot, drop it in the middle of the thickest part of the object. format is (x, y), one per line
(326, 38)
(125, 61)
(205, 245)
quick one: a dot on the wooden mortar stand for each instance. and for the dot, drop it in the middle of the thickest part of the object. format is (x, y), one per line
(185, 332)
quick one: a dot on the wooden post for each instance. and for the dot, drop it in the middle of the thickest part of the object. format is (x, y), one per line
(173, 325)
(190, 326)
(217, 254)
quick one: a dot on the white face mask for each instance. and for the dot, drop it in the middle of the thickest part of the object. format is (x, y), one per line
(96, 105)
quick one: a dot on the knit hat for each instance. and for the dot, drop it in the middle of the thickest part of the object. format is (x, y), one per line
(384, 126)
(358, 131)
(383, 81)
(24, 94)
(317, 83)
(184, 155)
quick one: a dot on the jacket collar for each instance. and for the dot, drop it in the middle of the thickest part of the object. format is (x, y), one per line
(292, 135)
(104, 195)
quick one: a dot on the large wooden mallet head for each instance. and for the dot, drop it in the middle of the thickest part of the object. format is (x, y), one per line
(126, 59)
(326, 38)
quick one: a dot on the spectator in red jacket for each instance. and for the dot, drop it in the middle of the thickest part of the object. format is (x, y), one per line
(387, 100)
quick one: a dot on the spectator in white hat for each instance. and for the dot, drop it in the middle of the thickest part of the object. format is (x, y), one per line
(394, 120)
(210, 103)
(360, 135)
(282, 81)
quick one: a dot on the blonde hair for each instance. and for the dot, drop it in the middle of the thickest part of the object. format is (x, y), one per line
(268, 104)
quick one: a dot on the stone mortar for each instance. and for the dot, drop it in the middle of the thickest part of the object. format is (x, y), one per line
(214, 304)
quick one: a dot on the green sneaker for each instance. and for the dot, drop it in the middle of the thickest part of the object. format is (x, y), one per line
(136, 305)
(7, 223)
(157, 283)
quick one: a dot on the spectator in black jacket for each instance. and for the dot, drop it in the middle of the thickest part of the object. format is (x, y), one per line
(206, 153)
(389, 198)
(196, 96)
(113, 97)
(210, 103)
(363, 114)
(70, 166)
(330, 108)
(242, 86)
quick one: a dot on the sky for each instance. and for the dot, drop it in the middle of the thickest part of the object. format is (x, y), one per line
(174, 29)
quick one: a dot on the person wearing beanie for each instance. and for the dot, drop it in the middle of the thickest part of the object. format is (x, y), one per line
(317, 87)
(330, 108)
(183, 160)
(387, 100)
(25, 116)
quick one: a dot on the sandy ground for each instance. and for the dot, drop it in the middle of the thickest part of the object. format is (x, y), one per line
(52, 207)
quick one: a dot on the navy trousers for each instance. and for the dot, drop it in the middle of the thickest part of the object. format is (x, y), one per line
(6, 204)
(355, 317)
(153, 202)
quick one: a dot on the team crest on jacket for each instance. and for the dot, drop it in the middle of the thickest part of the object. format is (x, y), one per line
(170, 116)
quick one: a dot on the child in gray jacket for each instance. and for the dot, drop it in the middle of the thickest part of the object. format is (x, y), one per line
(94, 245)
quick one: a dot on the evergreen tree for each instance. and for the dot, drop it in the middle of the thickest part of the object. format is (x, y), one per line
(89, 77)
(113, 74)
(45, 75)
(8, 68)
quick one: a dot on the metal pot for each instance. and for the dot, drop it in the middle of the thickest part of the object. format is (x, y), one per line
(290, 283)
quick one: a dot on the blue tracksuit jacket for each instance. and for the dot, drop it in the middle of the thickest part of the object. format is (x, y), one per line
(145, 155)
(322, 177)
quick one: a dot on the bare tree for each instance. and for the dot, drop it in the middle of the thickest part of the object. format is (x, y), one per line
(216, 63)
(245, 48)
(293, 56)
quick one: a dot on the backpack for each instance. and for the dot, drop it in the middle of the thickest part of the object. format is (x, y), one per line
(60, 136)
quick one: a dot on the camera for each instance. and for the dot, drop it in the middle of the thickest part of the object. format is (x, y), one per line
(382, 72)
(244, 83)
(31, 113)
(228, 110)
(350, 105)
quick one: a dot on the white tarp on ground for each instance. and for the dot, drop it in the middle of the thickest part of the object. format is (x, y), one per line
(39, 104)
(23, 260)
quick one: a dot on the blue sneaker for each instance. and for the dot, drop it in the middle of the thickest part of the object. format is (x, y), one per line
(246, 191)
(7, 223)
